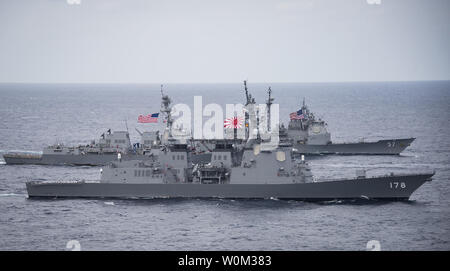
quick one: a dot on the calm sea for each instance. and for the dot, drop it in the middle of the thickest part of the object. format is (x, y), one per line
(35, 115)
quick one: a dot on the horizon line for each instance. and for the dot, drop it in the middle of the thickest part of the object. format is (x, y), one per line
(256, 82)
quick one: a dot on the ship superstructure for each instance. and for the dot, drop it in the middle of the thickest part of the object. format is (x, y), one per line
(310, 136)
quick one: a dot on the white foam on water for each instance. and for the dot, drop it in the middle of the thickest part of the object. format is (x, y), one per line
(30, 117)
(12, 195)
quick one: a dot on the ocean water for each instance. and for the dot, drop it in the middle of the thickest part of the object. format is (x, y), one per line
(35, 115)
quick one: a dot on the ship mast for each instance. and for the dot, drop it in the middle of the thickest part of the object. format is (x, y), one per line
(249, 100)
(166, 110)
(250, 106)
(269, 104)
(305, 113)
(246, 93)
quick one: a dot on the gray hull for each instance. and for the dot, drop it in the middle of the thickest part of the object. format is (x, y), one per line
(389, 188)
(381, 147)
(74, 160)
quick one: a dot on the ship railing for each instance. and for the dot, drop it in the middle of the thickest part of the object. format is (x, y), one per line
(56, 182)
(76, 181)
(391, 174)
(22, 154)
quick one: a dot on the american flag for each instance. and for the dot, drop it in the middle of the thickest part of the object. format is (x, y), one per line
(297, 115)
(234, 122)
(153, 118)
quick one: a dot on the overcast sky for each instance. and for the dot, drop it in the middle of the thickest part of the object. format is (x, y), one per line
(178, 41)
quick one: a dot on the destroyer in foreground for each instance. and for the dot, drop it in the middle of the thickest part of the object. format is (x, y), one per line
(249, 173)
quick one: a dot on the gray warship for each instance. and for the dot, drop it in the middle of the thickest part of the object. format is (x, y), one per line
(108, 147)
(250, 168)
(96, 153)
(249, 173)
(310, 136)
